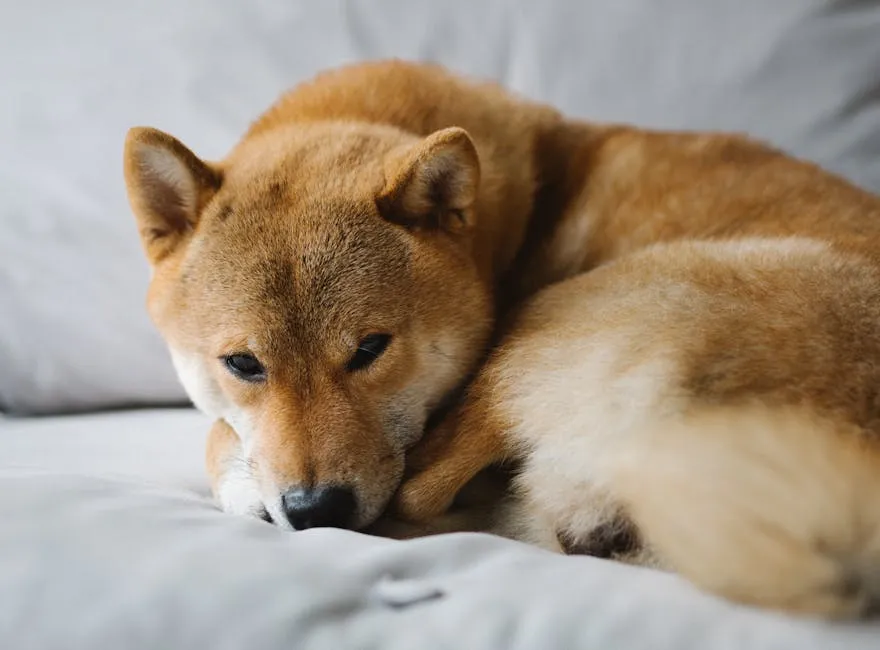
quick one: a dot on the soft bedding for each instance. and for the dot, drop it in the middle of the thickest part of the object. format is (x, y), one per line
(109, 540)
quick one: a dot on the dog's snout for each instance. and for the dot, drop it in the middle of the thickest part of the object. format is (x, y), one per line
(319, 507)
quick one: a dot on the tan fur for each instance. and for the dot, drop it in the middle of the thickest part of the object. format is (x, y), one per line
(628, 394)
(772, 507)
(398, 198)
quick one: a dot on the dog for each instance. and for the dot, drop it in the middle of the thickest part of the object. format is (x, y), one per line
(681, 328)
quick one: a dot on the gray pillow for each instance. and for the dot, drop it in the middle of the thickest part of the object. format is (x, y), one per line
(804, 74)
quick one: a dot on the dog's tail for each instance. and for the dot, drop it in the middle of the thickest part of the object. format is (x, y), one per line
(775, 508)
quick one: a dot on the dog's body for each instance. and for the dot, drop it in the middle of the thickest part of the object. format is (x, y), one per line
(710, 407)
(729, 321)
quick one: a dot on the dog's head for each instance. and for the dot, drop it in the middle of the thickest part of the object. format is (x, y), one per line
(318, 292)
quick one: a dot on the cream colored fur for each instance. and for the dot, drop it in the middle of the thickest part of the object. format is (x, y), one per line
(755, 498)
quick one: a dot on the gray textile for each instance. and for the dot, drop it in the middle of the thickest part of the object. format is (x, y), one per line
(112, 543)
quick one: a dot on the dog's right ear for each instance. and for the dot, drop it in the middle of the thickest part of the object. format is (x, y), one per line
(168, 185)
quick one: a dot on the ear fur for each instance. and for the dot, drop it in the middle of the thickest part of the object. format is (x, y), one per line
(168, 185)
(434, 183)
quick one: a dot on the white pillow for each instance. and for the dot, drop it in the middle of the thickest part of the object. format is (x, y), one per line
(74, 76)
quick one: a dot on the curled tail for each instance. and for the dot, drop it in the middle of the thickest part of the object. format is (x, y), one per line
(774, 508)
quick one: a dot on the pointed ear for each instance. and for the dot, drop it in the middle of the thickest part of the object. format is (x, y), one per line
(168, 185)
(432, 184)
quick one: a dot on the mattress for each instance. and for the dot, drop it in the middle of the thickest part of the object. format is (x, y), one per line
(109, 539)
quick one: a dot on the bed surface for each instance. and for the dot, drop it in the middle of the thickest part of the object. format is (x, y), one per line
(109, 534)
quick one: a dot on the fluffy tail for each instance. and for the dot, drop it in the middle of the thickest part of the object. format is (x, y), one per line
(774, 508)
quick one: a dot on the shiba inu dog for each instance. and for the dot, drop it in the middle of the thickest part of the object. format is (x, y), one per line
(688, 344)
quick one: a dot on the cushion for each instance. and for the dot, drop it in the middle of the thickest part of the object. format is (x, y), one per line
(73, 329)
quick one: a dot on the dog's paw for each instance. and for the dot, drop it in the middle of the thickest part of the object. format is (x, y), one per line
(238, 492)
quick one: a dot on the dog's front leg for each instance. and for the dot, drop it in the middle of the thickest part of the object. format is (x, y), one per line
(468, 441)
(233, 481)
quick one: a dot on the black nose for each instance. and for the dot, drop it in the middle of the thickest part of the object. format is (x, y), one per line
(319, 507)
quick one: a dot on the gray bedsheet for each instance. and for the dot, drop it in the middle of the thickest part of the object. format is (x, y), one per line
(109, 541)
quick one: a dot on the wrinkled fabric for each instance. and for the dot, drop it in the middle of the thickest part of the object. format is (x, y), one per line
(109, 540)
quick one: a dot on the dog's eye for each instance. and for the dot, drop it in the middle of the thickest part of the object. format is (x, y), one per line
(245, 366)
(369, 349)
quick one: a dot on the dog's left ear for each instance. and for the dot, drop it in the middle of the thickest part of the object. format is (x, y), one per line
(433, 184)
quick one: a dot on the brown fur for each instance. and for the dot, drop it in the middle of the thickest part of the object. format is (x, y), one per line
(718, 395)
(395, 197)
